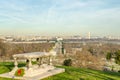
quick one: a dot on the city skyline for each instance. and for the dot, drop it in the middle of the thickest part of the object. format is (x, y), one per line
(60, 17)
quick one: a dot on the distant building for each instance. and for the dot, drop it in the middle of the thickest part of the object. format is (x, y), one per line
(9, 38)
(89, 35)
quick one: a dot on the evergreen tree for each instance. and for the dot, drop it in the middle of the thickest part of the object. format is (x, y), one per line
(109, 56)
(117, 57)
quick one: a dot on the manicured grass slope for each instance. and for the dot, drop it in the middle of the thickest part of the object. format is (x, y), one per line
(71, 73)
(84, 74)
(4, 69)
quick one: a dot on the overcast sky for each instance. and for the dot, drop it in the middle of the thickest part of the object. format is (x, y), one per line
(60, 17)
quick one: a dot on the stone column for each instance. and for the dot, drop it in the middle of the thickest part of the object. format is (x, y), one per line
(15, 63)
(50, 60)
(40, 61)
(15, 67)
(29, 63)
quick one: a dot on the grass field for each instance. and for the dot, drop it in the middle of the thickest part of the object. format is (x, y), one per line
(71, 73)
(84, 74)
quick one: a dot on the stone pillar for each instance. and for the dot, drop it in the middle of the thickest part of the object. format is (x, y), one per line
(50, 60)
(15, 63)
(40, 61)
(29, 63)
(15, 67)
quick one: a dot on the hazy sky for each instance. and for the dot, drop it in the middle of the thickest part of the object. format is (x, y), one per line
(64, 17)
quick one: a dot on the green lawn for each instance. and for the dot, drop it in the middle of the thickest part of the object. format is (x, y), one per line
(71, 73)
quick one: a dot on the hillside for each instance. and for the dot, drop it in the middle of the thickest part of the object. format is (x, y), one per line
(71, 73)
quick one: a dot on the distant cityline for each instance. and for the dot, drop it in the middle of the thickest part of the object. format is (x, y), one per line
(31, 38)
(89, 35)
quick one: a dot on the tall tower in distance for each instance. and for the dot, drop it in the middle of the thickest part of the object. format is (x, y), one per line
(89, 35)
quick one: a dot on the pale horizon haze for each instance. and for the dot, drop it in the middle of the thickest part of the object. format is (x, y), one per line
(60, 17)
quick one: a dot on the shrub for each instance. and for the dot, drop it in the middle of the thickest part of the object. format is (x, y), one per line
(67, 62)
(20, 72)
(119, 71)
